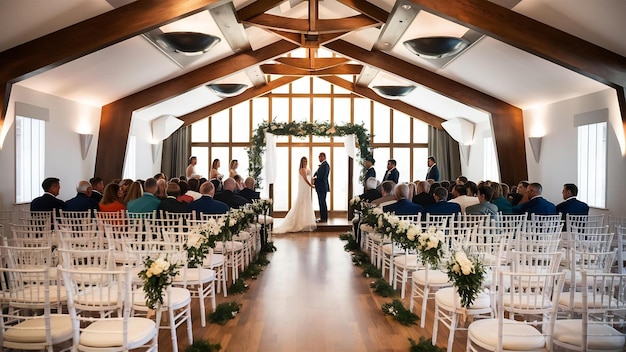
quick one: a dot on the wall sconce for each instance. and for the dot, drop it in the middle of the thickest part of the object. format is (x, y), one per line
(188, 43)
(227, 90)
(535, 145)
(85, 142)
(436, 47)
(393, 92)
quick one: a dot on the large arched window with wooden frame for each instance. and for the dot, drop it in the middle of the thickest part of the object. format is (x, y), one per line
(395, 135)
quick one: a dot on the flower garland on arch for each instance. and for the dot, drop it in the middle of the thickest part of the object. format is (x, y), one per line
(304, 129)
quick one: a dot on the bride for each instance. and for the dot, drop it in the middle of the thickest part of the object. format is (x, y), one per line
(301, 216)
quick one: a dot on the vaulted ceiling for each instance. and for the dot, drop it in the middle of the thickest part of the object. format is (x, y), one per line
(523, 54)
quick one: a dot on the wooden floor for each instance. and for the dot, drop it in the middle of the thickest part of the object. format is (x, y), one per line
(310, 298)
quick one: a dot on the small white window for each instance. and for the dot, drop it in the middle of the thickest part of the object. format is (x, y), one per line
(490, 168)
(30, 157)
(130, 164)
(592, 149)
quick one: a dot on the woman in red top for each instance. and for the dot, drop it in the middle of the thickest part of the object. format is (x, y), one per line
(111, 199)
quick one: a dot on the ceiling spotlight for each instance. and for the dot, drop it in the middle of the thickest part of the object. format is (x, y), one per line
(226, 90)
(188, 43)
(436, 47)
(393, 92)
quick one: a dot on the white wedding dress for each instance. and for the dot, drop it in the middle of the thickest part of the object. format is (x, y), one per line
(301, 216)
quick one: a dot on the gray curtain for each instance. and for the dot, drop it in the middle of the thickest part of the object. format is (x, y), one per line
(446, 152)
(176, 149)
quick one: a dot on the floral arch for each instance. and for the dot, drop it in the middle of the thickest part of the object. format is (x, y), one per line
(303, 129)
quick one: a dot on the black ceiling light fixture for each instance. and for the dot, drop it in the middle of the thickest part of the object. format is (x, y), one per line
(393, 92)
(436, 47)
(226, 90)
(188, 43)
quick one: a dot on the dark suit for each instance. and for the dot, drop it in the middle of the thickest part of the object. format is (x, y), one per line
(371, 172)
(208, 205)
(80, 203)
(433, 173)
(442, 208)
(403, 207)
(537, 205)
(392, 175)
(424, 199)
(572, 206)
(97, 196)
(370, 195)
(249, 194)
(173, 206)
(46, 202)
(322, 187)
(231, 199)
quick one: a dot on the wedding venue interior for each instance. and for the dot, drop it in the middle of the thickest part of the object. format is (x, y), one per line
(495, 90)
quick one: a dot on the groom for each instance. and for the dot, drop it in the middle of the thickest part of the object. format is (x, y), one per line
(322, 187)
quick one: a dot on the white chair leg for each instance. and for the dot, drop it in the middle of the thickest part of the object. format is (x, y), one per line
(404, 280)
(424, 304)
(435, 324)
(202, 310)
(172, 323)
(453, 323)
(412, 301)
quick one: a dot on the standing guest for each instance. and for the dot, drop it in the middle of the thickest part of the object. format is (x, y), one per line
(461, 198)
(191, 168)
(498, 198)
(83, 200)
(322, 186)
(135, 191)
(228, 196)
(232, 170)
(433, 170)
(423, 196)
(97, 186)
(485, 194)
(387, 192)
(48, 200)
(248, 192)
(371, 193)
(215, 174)
(171, 204)
(206, 204)
(571, 205)
(370, 171)
(537, 204)
(392, 173)
(111, 199)
(403, 206)
(441, 205)
(148, 201)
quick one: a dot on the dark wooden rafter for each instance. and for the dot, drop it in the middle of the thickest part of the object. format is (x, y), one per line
(365, 92)
(257, 8)
(538, 39)
(312, 63)
(346, 69)
(308, 41)
(301, 25)
(224, 104)
(507, 119)
(116, 116)
(367, 8)
(88, 36)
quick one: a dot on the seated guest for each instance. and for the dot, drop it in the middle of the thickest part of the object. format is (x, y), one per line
(185, 195)
(519, 194)
(484, 206)
(472, 188)
(111, 199)
(97, 186)
(248, 192)
(441, 205)
(371, 193)
(48, 200)
(536, 204)
(171, 204)
(403, 206)
(498, 198)
(386, 190)
(148, 201)
(461, 198)
(206, 204)
(161, 186)
(228, 196)
(571, 205)
(83, 200)
(134, 191)
(423, 196)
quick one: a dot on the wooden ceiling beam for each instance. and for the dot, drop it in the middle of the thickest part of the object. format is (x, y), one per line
(401, 106)
(301, 25)
(538, 39)
(367, 8)
(347, 69)
(507, 120)
(224, 104)
(256, 8)
(83, 38)
(313, 63)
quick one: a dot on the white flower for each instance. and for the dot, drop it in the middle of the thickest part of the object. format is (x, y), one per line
(411, 233)
(467, 269)
(456, 268)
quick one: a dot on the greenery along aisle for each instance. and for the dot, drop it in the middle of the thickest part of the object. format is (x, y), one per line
(303, 129)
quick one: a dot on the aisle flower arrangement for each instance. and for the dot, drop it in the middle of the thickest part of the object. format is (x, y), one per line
(157, 276)
(467, 274)
(261, 206)
(430, 245)
(201, 238)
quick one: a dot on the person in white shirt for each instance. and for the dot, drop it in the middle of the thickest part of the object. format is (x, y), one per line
(461, 198)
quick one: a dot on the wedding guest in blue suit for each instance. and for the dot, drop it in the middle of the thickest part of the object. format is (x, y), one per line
(441, 206)
(536, 204)
(433, 170)
(206, 204)
(370, 171)
(403, 206)
(392, 173)
(83, 200)
(571, 205)
(48, 201)
(322, 186)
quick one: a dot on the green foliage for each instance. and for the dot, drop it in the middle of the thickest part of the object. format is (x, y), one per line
(268, 247)
(261, 260)
(239, 286)
(360, 258)
(424, 346)
(467, 274)
(371, 270)
(346, 236)
(382, 288)
(399, 313)
(203, 346)
(224, 312)
(251, 272)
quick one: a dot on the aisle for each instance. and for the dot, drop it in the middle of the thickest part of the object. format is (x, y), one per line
(309, 298)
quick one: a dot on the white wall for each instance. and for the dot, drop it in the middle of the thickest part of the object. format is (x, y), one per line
(557, 163)
(63, 155)
(144, 165)
(474, 170)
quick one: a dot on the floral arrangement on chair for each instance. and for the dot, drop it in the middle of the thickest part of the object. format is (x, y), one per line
(430, 245)
(201, 238)
(370, 214)
(467, 275)
(157, 276)
(261, 206)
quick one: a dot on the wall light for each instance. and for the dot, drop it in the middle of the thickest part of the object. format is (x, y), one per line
(535, 145)
(393, 92)
(85, 142)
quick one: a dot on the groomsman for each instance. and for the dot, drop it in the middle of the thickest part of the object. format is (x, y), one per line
(371, 172)
(322, 186)
(392, 173)
(433, 170)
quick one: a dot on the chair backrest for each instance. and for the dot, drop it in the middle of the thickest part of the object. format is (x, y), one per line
(597, 262)
(77, 220)
(81, 239)
(538, 241)
(91, 259)
(620, 245)
(44, 219)
(544, 223)
(535, 262)
(615, 221)
(27, 257)
(30, 236)
(473, 220)
(591, 242)
(117, 218)
(158, 225)
(439, 221)
(583, 220)
(413, 219)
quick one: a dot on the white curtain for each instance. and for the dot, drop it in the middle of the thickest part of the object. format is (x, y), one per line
(270, 158)
(350, 145)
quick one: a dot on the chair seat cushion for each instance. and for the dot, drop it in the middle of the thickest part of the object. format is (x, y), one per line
(30, 294)
(408, 261)
(366, 228)
(517, 336)
(108, 333)
(177, 297)
(196, 275)
(230, 246)
(33, 330)
(600, 336)
(446, 297)
(435, 277)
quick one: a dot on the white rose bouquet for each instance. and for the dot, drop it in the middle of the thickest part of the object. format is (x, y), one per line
(467, 274)
(430, 245)
(157, 275)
